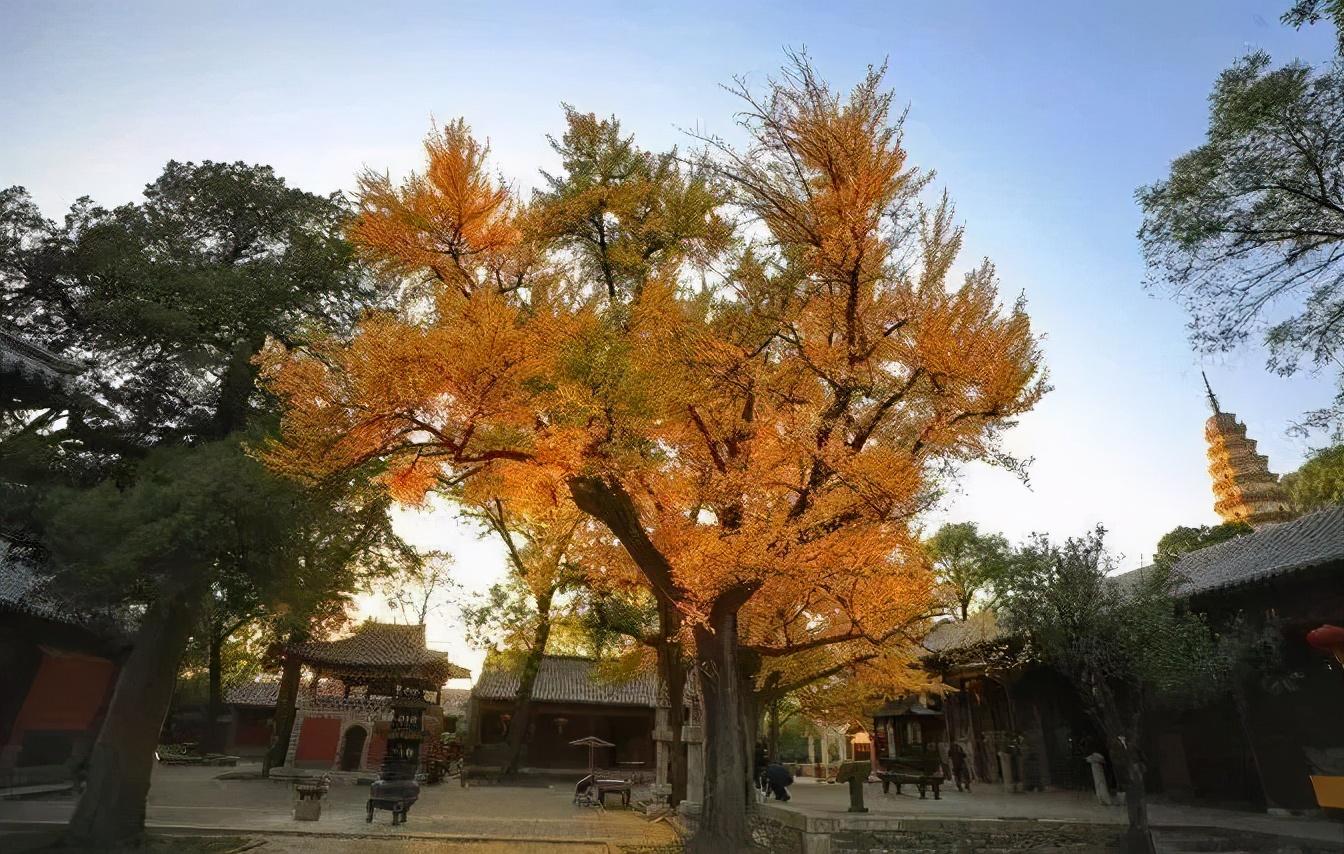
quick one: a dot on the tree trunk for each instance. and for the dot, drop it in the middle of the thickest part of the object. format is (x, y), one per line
(672, 670)
(1242, 701)
(237, 386)
(282, 725)
(723, 825)
(213, 737)
(522, 709)
(112, 809)
(1138, 839)
(1125, 744)
(772, 732)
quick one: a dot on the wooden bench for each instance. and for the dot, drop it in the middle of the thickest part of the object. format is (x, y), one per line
(483, 763)
(590, 792)
(622, 787)
(910, 776)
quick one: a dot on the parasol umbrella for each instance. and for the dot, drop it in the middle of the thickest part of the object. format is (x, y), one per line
(591, 742)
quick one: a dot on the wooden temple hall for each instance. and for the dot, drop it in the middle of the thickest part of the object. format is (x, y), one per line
(570, 701)
(58, 663)
(1266, 742)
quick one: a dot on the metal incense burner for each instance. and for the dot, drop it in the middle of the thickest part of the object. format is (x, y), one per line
(395, 789)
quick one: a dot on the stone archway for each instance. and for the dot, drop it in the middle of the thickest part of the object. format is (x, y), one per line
(352, 748)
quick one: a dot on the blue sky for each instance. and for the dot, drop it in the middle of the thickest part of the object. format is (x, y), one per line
(1040, 118)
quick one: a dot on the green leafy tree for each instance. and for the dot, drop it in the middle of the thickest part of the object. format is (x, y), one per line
(616, 615)
(1308, 12)
(1254, 217)
(1183, 538)
(1124, 643)
(517, 617)
(425, 589)
(969, 565)
(167, 301)
(156, 542)
(1319, 483)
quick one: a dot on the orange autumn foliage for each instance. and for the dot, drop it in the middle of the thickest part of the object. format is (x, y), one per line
(755, 370)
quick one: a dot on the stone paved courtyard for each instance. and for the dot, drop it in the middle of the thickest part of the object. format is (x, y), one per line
(541, 817)
(497, 819)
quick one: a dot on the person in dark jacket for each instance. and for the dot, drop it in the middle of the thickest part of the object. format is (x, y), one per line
(778, 779)
(960, 773)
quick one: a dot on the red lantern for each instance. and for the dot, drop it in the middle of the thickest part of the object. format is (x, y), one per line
(1328, 638)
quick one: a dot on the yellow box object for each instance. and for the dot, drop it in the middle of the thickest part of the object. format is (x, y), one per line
(1329, 791)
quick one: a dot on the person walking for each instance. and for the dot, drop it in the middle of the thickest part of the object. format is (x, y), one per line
(960, 773)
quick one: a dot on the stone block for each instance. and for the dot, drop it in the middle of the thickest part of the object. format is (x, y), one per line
(309, 810)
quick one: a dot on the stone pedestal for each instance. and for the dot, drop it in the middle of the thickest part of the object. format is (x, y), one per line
(662, 755)
(1098, 763)
(308, 810)
(694, 738)
(855, 774)
(1008, 770)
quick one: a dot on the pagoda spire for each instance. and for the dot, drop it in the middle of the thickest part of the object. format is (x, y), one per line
(1244, 489)
(1213, 398)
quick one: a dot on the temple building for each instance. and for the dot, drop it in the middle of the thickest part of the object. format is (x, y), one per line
(569, 701)
(33, 377)
(343, 712)
(1012, 717)
(58, 663)
(58, 667)
(1258, 744)
(1244, 489)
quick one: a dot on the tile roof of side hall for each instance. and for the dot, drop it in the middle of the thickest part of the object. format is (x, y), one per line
(1308, 542)
(23, 357)
(24, 590)
(949, 635)
(566, 679)
(21, 589)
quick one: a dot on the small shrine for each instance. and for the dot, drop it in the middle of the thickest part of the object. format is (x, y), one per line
(1244, 489)
(389, 682)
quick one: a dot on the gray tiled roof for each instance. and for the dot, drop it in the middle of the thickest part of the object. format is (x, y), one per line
(26, 590)
(28, 359)
(910, 706)
(1311, 541)
(455, 700)
(264, 693)
(21, 588)
(565, 679)
(381, 646)
(959, 634)
(260, 693)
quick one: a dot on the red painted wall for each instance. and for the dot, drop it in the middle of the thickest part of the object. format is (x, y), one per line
(253, 728)
(317, 740)
(66, 694)
(377, 747)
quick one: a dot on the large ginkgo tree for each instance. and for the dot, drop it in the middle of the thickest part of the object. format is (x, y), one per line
(754, 367)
